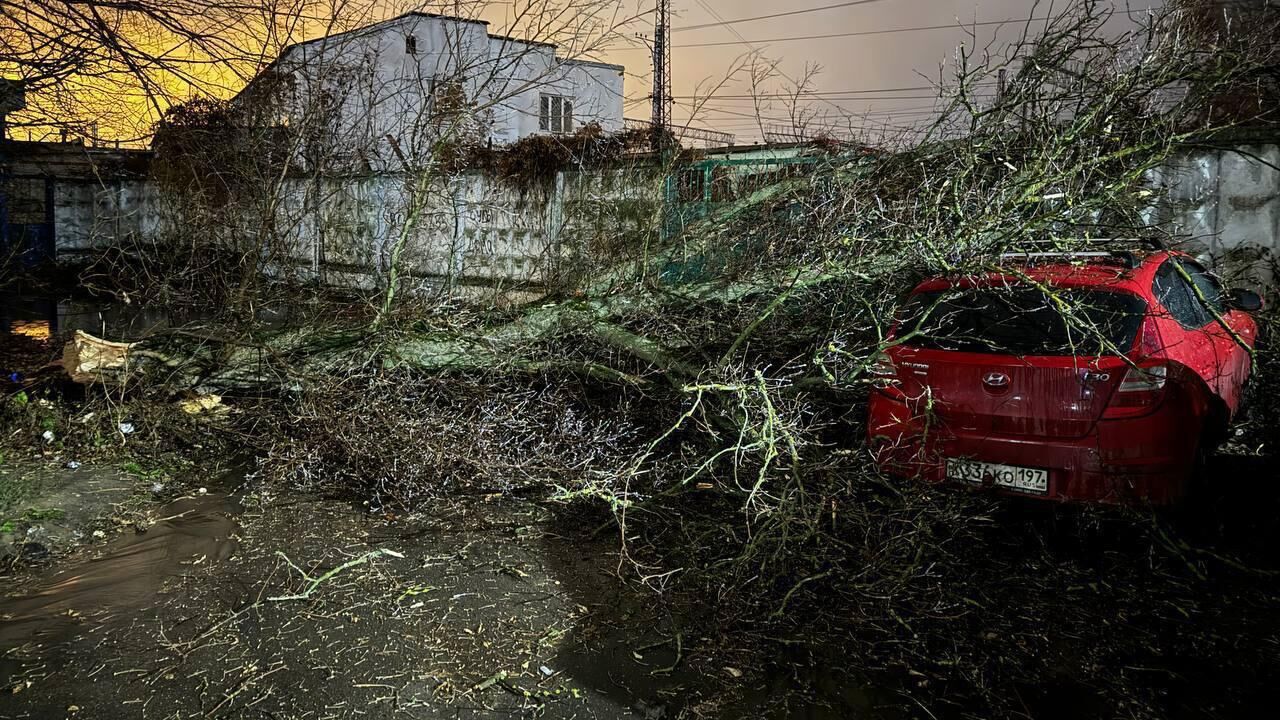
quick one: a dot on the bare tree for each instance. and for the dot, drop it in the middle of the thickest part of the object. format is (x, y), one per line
(120, 62)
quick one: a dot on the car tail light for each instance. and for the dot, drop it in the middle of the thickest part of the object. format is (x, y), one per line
(1139, 391)
(883, 371)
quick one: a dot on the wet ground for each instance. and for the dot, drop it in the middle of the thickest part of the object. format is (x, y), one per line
(243, 601)
(42, 316)
(50, 509)
(129, 593)
(122, 575)
(45, 315)
(475, 611)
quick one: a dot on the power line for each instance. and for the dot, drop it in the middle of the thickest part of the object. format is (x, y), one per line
(854, 91)
(870, 111)
(738, 114)
(731, 119)
(939, 101)
(728, 25)
(776, 15)
(723, 23)
(754, 119)
(829, 98)
(815, 94)
(870, 32)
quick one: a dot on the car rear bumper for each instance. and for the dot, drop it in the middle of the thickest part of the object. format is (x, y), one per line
(1130, 461)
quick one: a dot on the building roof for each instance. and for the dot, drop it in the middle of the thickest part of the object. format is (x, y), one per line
(364, 29)
(508, 38)
(378, 25)
(593, 63)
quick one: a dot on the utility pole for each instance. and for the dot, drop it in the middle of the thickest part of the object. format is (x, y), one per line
(662, 100)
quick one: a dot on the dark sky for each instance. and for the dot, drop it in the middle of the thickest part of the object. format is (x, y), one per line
(859, 63)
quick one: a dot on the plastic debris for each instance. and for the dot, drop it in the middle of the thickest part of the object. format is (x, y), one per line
(210, 403)
(73, 465)
(47, 435)
(88, 359)
(125, 428)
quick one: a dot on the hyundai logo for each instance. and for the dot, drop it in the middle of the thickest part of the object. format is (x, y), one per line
(995, 380)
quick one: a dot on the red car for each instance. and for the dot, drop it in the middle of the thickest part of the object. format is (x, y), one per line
(1092, 376)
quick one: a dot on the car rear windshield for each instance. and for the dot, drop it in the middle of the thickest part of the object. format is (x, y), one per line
(1022, 320)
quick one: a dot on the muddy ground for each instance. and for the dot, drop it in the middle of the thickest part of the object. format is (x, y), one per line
(197, 606)
(477, 609)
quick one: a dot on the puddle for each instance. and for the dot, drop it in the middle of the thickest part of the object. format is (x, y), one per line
(660, 656)
(802, 686)
(126, 576)
(41, 318)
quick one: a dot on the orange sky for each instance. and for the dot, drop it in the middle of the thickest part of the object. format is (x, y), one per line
(858, 71)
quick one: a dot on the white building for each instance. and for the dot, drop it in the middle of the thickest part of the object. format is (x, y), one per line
(383, 96)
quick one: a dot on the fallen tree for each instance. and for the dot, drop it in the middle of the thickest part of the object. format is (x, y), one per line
(718, 418)
(806, 273)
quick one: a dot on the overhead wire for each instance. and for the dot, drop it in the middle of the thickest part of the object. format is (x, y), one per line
(750, 121)
(862, 33)
(831, 98)
(788, 13)
(729, 26)
(713, 105)
(747, 98)
(829, 92)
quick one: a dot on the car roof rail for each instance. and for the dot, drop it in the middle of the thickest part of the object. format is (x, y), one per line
(1123, 249)
(1130, 259)
(1121, 243)
(1114, 243)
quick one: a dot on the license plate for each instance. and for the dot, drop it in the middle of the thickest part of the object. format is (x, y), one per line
(1033, 480)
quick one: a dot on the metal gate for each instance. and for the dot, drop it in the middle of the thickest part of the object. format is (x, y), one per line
(696, 191)
(700, 190)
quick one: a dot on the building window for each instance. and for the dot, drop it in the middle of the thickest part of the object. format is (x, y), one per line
(411, 44)
(556, 114)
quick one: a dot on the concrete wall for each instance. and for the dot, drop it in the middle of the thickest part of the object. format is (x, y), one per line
(89, 213)
(474, 231)
(469, 231)
(1225, 206)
